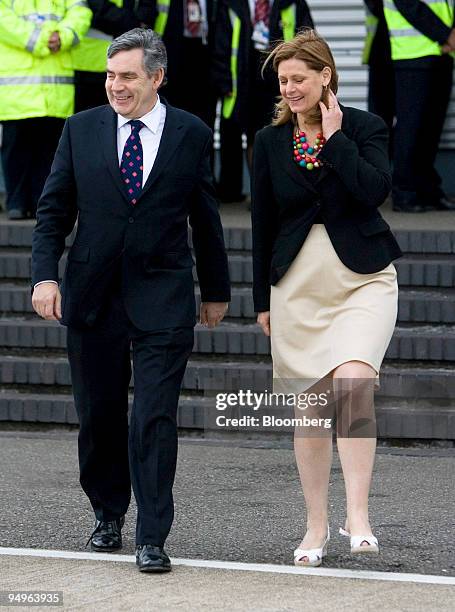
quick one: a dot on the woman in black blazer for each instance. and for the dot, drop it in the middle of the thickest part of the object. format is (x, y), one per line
(324, 285)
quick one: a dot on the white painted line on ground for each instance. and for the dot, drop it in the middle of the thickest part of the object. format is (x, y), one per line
(233, 565)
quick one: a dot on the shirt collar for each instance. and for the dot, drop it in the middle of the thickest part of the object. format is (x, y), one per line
(150, 119)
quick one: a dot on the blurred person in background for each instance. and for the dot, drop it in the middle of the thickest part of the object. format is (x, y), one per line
(421, 38)
(186, 29)
(36, 91)
(110, 19)
(244, 30)
(376, 53)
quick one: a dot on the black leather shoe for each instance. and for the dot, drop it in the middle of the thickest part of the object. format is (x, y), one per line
(15, 214)
(446, 203)
(151, 559)
(107, 535)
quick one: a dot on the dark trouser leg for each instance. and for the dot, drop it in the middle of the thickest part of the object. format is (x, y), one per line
(440, 87)
(17, 161)
(159, 360)
(200, 99)
(46, 134)
(100, 370)
(411, 87)
(420, 111)
(230, 183)
(381, 91)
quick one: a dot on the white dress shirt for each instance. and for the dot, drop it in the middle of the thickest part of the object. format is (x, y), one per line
(150, 138)
(150, 135)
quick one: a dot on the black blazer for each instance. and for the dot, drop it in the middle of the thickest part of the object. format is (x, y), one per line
(148, 241)
(353, 182)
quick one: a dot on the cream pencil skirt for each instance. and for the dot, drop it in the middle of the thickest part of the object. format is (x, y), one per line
(323, 314)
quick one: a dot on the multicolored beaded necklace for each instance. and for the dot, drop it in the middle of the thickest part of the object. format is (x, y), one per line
(305, 155)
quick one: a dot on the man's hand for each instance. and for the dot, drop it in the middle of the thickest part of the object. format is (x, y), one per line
(264, 321)
(54, 42)
(47, 301)
(212, 313)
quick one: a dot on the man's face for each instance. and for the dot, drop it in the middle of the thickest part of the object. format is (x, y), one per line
(130, 90)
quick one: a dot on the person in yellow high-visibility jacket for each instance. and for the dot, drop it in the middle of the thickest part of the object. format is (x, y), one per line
(36, 90)
(421, 39)
(111, 18)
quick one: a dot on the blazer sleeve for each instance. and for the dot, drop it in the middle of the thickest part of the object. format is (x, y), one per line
(264, 224)
(423, 19)
(56, 214)
(362, 164)
(207, 235)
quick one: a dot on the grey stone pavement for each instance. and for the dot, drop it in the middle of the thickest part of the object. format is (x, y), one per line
(235, 501)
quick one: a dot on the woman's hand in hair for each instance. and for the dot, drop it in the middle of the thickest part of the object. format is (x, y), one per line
(332, 116)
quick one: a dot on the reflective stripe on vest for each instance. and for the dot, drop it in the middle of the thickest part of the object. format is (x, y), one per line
(371, 24)
(229, 101)
(37, 80)
(288, 21)
(407, 42)
(163, 13)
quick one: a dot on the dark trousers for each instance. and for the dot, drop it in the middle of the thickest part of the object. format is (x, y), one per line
(381, 91)
(184, 90)
(90, 90)
(422, 97)
(28, 149)
(259, 108)
(112, 456)
(381, 76)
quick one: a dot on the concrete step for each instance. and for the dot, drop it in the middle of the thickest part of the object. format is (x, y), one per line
(424, 342)
(405, 381)
(395, 419)
(414, 306)
(415, 270)
(19, 234)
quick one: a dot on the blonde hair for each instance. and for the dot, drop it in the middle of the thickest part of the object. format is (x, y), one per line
(312, 49)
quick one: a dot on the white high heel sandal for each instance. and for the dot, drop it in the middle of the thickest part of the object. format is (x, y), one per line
(314, 555)
(356, 543)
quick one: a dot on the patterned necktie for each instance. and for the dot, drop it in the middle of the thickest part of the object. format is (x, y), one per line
(131, 166)
(262, 11)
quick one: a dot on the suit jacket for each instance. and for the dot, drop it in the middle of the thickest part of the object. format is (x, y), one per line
(353, 182)
(148, 242)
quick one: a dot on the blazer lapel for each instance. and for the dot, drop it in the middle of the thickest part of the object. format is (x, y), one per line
(285, 155)
(170, 139)
(107, 135)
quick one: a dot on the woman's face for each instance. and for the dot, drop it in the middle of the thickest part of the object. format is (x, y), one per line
(300, 86)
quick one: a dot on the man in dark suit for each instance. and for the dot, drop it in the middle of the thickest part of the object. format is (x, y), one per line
(132, 174)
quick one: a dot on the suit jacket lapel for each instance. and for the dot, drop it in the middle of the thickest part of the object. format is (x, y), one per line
(170, 139)
(107, 135)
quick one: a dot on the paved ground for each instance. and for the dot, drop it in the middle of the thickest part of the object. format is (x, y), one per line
(234, 502)
(112, 586)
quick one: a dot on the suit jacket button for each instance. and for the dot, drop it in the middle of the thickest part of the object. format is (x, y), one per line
(131, 220)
